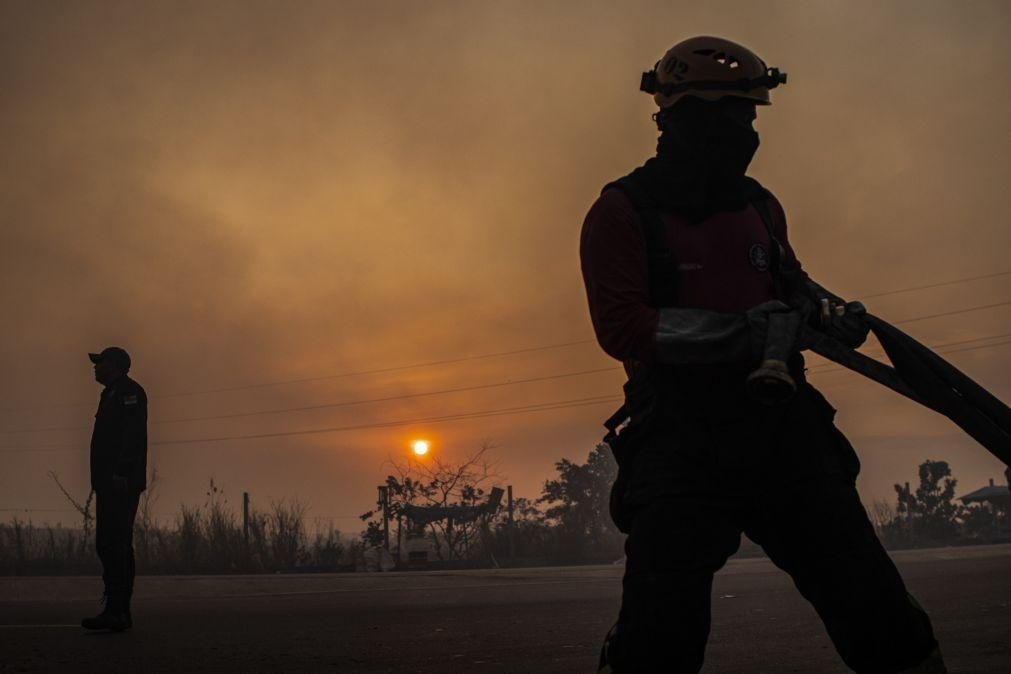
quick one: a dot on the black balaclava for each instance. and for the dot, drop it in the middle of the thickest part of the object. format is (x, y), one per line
(702, 156)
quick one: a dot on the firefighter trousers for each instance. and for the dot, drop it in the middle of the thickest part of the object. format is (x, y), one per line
(786, 480)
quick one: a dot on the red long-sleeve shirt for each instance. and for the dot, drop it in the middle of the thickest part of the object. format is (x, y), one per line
(722, 266)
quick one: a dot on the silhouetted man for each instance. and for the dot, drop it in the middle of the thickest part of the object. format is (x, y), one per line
(118, 476)
(693, 285)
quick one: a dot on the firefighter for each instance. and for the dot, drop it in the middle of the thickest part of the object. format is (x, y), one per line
(692, 283)
(118, 476)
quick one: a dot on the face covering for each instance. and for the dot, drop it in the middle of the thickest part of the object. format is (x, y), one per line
(702, 157)
(727, 150)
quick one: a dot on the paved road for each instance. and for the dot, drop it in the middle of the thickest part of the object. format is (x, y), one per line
(525, 620)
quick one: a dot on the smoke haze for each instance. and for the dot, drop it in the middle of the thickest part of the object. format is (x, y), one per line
(255, 192)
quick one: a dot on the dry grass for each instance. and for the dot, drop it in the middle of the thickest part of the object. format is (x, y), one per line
(205, 539)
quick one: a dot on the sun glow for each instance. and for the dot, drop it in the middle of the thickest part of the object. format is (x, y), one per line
(420, 447)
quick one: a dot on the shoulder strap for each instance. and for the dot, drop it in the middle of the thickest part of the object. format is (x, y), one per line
(775, 249)
(663, 271)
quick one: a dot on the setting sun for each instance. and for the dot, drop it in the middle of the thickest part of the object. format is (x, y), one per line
(420, 447)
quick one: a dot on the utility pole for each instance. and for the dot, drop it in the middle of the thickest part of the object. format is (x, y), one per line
(399, 528)
(512, 537)
(245, 517)
(384, 504)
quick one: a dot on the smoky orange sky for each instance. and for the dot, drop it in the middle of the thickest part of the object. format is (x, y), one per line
(246, 193)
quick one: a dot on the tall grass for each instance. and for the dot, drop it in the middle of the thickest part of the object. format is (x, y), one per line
(29, 549)
(205, 539)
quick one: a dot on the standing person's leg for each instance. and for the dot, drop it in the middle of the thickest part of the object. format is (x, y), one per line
(811, 523)
(104, 536)
(681, 529)
(129, 564)
(819, 533)
(674, 548)
(108, 545)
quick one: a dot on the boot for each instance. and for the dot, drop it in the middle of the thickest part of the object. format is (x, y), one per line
(604, 663)
(933, 664)
(111, 618)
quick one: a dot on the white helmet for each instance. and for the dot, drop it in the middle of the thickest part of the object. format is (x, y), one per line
(710, 68)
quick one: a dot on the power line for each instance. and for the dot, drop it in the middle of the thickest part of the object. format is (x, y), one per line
(525, 350)
(822, 369)
(482, 414)
(974, 348)
(514, 352)
(970, 341)
(508, 411)
(463, 359)
(831, 368)
(935, 285)
(508, 383)
(952, 313)
(246, 414)
(342, 375)
(398, 368)
(504, 353)
(345, 403)
(880, 352)
(349, 403)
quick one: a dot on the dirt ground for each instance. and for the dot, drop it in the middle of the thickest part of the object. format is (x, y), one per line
(521, 620)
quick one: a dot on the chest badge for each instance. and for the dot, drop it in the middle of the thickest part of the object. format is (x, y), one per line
(759, 257)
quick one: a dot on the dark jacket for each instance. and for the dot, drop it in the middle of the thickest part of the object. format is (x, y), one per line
(119, 441)
(721, 267)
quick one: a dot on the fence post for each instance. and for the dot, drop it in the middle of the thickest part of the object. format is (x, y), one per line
(400, 517)
(512, 537)
(245, 517)
(384, 503)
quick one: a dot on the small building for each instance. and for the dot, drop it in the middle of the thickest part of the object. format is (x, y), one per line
(993, 502)
(991, 494)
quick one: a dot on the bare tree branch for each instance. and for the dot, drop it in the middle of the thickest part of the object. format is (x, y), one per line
(82, 509)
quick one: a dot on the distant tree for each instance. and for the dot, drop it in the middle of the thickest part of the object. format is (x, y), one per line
(930, 512)
(532, 536)
(985, 521)
(373, 534)
(439, 484)
(578, 505)
(881, 514)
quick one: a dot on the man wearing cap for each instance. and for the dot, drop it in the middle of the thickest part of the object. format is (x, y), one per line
(693, 285)
(118, 476)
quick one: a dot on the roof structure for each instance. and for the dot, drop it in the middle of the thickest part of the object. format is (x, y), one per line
(989, 494)
(455, 513)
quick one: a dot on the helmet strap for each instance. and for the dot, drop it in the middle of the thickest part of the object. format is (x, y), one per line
(771, 79)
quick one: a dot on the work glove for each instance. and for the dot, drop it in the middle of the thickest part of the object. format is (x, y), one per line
(844, 321)
(833, 315)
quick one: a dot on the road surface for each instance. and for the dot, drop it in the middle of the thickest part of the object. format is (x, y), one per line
(520, 620)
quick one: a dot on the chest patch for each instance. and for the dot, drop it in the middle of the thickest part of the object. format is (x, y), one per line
(759, 257)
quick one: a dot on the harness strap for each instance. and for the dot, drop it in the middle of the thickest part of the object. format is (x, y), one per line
(662, 267)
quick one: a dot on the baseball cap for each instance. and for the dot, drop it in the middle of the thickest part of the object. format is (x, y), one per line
(112, 353)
